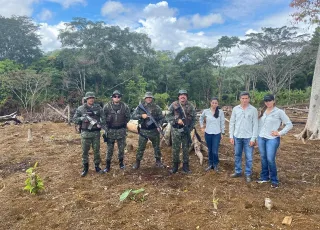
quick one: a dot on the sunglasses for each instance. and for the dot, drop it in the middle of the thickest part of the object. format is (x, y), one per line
(116, 96)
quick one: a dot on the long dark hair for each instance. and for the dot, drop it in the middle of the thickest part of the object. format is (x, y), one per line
(216, 113)
(264, 108)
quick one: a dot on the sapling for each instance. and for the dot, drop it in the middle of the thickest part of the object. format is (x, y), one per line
(34, 183)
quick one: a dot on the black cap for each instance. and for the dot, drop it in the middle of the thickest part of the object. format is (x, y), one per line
(268, 97)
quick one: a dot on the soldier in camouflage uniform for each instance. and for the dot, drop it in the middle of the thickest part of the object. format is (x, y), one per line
(89, 117)
(148, 130)
(182, 117)
(117, 115)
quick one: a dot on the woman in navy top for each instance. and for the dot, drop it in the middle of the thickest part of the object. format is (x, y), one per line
(214, 130)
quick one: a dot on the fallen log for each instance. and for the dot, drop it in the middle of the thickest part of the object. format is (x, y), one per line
(59, 112)
(196, 144)
(10, 117)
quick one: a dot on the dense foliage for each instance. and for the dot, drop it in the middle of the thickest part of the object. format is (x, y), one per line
(101, 58)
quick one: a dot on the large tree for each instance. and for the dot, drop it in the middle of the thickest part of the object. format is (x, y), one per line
(308, 10)
(19, 40)
(110, 54)
(27, 87)
(277, 51)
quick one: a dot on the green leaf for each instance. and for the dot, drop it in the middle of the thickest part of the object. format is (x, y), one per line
(29, 170)
(137, 191)
(125, 194)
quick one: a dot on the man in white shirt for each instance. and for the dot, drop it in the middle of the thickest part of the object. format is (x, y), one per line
(243, 131)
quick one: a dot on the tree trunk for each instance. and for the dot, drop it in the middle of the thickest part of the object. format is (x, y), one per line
(312, 129)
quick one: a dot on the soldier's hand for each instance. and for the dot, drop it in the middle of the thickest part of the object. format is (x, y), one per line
(203, 129)
(180, 122)
(144, 116)
(252, 143)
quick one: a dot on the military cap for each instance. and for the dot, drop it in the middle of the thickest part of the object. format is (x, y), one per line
(182, 91)
(148, 94)
(116, 92)
(89, 95)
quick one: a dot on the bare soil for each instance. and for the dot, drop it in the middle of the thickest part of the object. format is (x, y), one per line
(171, 201)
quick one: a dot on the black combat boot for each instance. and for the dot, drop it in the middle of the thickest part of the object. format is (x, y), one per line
(121, 165)
(159, 163)
(174, 168)
(136, 165)
(97, 167)
(107, 169)
(85, 169)
(185, 168)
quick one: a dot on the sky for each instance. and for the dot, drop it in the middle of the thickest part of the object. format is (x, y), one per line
(171, 25)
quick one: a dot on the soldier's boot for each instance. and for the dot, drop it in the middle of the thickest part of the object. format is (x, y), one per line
(121, 164)
(85, 169)
(159, 164)
(174, 168)
(97, 167)
(136, 165)
(185, 168)
(107, 169)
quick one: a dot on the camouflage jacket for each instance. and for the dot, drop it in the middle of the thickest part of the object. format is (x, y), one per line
(174, 114)
(95, 112)
(155, 111)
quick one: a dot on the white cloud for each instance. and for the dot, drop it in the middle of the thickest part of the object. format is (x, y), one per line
(161, 9)
(16, 7)
(45, 15)
(68, 3)
(25, 7)
(206, 21)
(112, 8)
(166, 35)
(251, 31)
(283, 19)
(49, 36)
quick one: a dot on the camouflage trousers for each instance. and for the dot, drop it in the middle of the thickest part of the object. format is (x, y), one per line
(121, 145)
(154, 136)
(178, 139)
(114, 135)
(89, 139)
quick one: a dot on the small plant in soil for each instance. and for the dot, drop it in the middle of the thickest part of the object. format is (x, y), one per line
(34, 183)
(135, 195)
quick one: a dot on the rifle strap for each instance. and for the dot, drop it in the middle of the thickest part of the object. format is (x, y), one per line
(184, 113)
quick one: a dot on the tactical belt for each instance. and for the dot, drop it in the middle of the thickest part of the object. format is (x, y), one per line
(91, 130)
(151, 127)
(118, 127)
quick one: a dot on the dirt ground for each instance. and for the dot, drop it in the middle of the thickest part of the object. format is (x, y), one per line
(171, 201)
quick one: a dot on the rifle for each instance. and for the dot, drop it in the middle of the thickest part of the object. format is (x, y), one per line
(152, 120)
(185, 128)
(91, 120)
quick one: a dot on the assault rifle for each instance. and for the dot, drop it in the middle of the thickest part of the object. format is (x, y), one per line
(152, 120)
(185, 128)
(95, 122)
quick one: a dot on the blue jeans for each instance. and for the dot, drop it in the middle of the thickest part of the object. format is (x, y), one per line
(213, 143)
(268, 150)
(240, 145)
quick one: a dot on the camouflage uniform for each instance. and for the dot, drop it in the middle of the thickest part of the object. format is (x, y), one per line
(148, 132)
(117, 116)
(180, 134)
(89, 135)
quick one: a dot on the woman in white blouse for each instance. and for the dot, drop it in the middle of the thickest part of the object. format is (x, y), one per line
(214, 130)
(270, 120)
